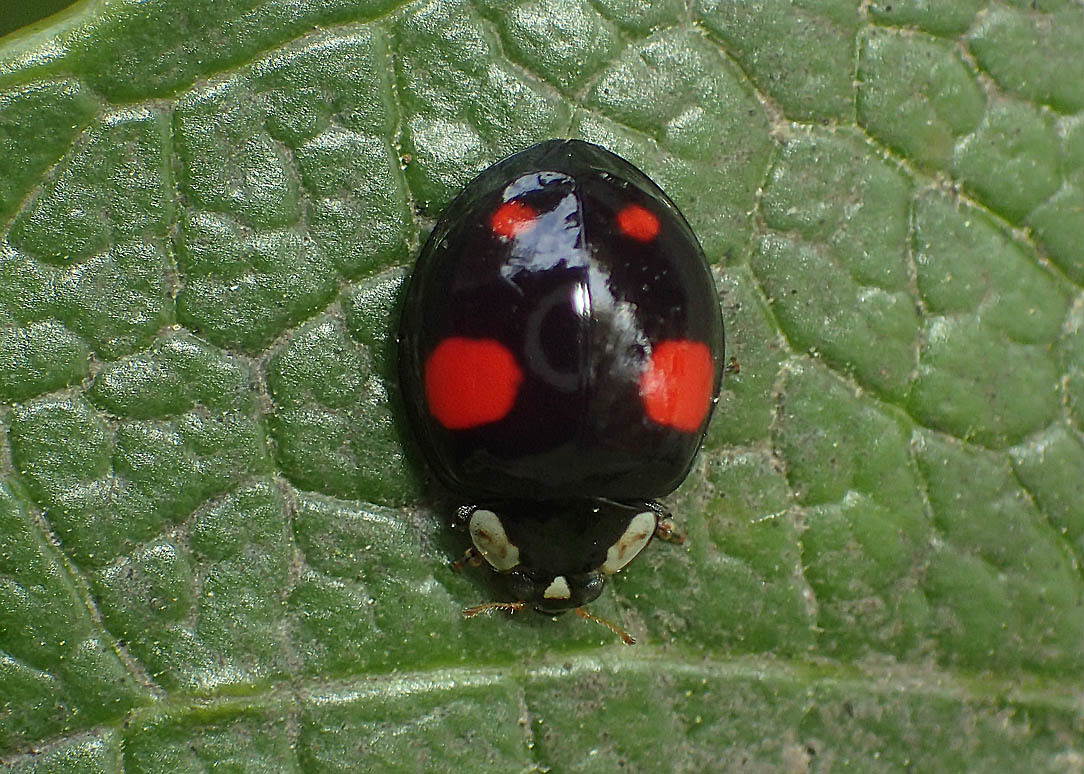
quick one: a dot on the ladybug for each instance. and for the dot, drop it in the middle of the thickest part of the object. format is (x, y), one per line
(560, 355)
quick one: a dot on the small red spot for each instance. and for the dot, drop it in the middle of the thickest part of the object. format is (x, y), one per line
(512, 218)
(676, 386)
(638, 223)
(470, 382)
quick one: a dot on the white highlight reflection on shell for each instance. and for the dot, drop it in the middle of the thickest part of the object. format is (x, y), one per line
(488, 535)
(636, 536)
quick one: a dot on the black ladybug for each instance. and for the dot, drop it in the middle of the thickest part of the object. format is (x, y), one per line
(561, 352)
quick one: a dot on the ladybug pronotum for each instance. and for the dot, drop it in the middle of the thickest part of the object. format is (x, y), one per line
(560, 354)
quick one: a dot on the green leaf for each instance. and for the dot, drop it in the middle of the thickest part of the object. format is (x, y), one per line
(218, 547)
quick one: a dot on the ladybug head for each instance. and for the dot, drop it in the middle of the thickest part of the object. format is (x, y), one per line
(556, 555)
(551, 594)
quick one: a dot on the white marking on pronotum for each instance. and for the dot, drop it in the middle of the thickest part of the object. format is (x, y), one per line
(488, 535)
(637, 535)
(558, 589)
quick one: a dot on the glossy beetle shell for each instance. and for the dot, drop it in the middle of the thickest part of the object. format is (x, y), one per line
(581, 298)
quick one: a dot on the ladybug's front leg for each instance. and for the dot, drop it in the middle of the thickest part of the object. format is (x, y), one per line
(462, 516)
(666, 529)
(471, 556)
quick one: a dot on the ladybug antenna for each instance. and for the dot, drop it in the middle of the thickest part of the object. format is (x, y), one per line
(626, 638)
(511, 607)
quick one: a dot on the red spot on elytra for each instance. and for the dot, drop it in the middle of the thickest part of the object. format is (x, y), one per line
(638, 223)
(512, 218)
(676, 386)
(470, 382)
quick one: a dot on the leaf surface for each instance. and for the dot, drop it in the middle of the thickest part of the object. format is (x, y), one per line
(217, 545)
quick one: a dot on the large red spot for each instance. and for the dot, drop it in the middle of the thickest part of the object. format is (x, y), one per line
(470, 382)
(512, 218)
(676, 386)
(638, 223)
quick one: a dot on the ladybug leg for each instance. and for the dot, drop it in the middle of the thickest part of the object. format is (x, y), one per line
(733, 366)
(472, 556)
(669, 532)
(462, 516)
(666, 530)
